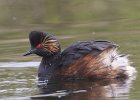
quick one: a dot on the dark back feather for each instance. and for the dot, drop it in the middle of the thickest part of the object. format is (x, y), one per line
(80, 49)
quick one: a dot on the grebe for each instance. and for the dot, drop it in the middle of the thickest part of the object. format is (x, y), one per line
(92, 59)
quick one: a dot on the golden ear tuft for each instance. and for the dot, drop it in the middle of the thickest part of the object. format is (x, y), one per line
(50, 44)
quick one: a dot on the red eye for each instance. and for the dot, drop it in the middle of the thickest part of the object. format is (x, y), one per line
(38, 46)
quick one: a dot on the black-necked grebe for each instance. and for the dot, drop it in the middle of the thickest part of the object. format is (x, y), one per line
(82, 60)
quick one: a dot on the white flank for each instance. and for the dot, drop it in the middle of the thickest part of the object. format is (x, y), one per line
(116, 61)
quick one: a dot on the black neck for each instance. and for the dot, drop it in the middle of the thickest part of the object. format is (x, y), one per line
(47, 67)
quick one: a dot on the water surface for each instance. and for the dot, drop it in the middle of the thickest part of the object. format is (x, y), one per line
(19, 82)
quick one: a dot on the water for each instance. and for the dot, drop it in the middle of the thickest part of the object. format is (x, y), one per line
(19, 82)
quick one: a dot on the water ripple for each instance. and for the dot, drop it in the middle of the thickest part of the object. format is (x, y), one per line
(19, 64)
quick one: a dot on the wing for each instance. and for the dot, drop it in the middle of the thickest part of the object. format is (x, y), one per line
(80, 49)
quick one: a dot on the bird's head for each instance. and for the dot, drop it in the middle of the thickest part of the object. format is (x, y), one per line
(43, 44)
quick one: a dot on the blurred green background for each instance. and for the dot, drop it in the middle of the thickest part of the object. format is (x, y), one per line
(69, 21)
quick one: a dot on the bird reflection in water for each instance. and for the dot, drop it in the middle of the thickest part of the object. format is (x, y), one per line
(85, 90)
